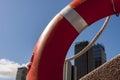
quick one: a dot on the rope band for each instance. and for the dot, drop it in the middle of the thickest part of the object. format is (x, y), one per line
(114, 8)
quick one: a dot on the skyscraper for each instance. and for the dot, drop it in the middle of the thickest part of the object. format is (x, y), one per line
(69, 72)
(99, 55)
(21, 73)
(93, 58)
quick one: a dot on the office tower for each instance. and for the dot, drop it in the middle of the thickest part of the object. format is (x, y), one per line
(85, 63)
(21, 73)
(99, 55)
(74, 73)
(93, 58)
(69, 72)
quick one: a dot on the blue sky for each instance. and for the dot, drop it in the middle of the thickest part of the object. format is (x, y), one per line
(22, 22)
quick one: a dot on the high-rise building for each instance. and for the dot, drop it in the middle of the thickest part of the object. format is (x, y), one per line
(99, 55)
(21, 73)
(69, 72)
(93, 58)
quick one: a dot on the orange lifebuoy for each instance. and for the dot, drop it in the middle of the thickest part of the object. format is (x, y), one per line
(52, 46)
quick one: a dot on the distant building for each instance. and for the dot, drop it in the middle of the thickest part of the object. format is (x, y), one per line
(69, 72)
(21, 73)
(99, 55)
(93, 58)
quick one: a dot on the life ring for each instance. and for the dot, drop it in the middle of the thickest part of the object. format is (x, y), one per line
(52, 46)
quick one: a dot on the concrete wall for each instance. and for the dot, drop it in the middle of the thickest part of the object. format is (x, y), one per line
(108, 71)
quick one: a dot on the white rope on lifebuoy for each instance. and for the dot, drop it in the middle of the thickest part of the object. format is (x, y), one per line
(114, 8)
(92, 41)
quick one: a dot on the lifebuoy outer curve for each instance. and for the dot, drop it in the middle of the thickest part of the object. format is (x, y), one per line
(52, 46)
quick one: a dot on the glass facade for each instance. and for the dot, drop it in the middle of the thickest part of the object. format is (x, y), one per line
(92, 59)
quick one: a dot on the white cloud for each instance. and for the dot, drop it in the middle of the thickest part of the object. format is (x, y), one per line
(8, 69)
